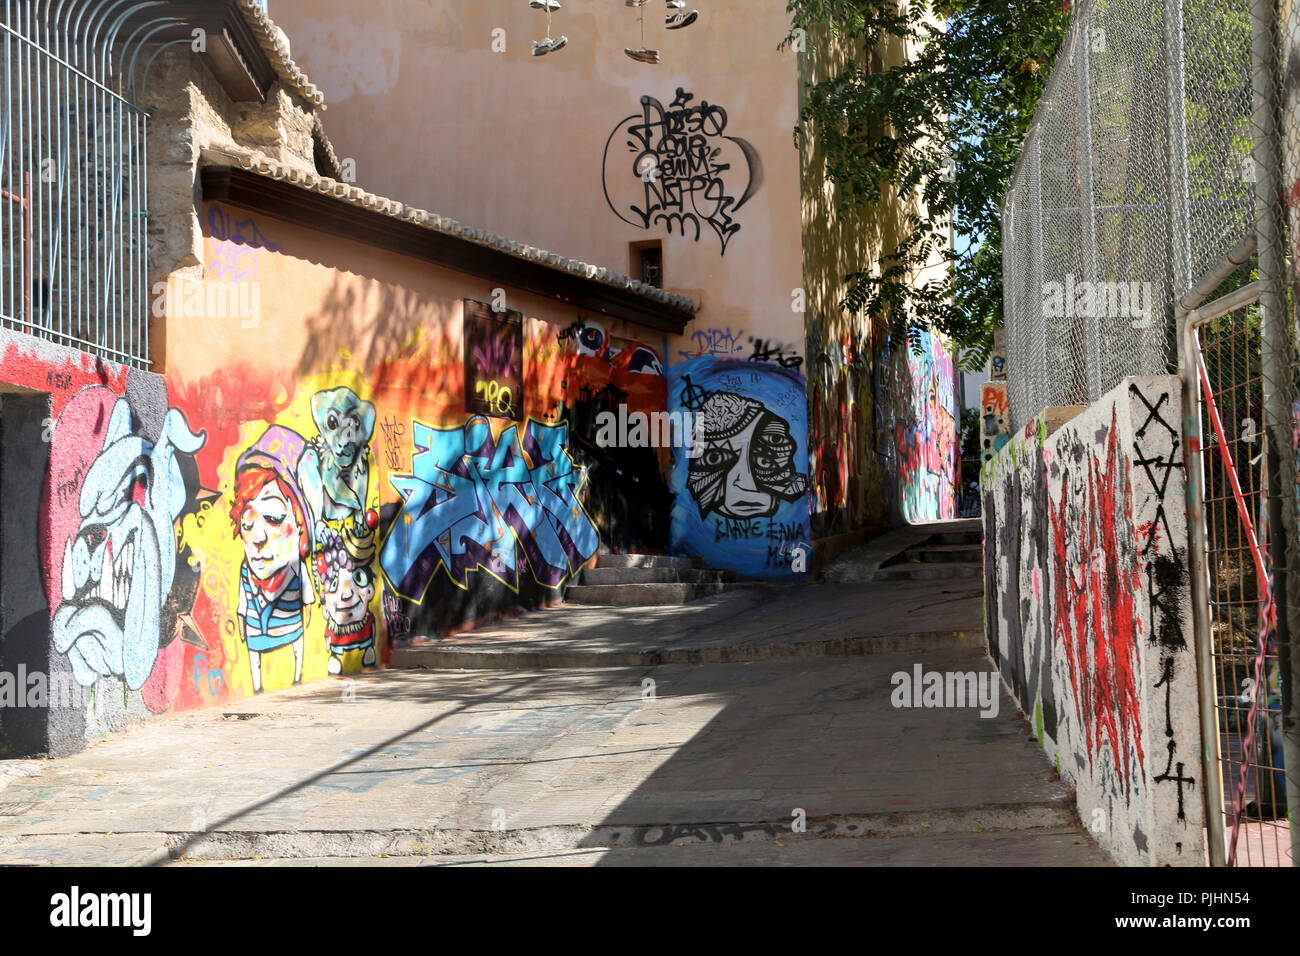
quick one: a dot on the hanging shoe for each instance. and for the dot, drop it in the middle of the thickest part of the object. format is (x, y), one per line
(675, 21)
(550, 6)
(643, 56)
(637, 3)
(558, 42)
(676, 4)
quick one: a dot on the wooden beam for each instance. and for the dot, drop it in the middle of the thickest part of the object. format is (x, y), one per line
(338, 217)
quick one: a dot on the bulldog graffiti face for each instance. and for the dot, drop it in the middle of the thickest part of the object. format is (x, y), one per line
(746, 466)
(118, 567)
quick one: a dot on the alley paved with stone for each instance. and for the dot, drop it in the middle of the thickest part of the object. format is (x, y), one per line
(676, 764)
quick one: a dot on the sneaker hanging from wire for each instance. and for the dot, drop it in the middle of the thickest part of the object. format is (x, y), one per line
(643, 55)
(675, 21)
(550, 6)
(543, 47)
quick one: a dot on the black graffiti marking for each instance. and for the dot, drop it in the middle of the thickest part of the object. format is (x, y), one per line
(1153, 413)
(693, 396)
(1165, 466)
(677, 158)
(700, 832)
(1166, 579)
(393, 431)
(765, 351)
(1167, 681)
(1177, 777)
(69, 488)
(572, 330)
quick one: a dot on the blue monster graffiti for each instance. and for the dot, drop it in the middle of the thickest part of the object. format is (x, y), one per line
(743, 503)
(474, 502)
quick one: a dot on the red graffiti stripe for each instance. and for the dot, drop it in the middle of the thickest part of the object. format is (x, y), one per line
(1096, 620)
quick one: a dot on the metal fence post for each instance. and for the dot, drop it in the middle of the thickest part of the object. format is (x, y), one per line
(1275, 361)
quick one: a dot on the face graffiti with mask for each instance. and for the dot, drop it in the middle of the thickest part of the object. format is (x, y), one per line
(746, 466)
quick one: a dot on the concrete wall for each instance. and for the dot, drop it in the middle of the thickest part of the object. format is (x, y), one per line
(882, 416)
(443, 106)
(1088, 614)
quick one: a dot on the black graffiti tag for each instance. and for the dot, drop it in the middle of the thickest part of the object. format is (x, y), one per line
(682, 166)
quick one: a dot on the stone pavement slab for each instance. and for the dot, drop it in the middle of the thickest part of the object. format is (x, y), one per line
(755, 622)
(458, 763)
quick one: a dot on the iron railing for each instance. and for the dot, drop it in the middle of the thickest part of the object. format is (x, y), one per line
(73, 182)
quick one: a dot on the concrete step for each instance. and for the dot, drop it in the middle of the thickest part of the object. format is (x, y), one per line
(655, 576)
(970, 539)
(940, 554)
(432, 655)
(912, 571)
(639, 595)
(648, 561)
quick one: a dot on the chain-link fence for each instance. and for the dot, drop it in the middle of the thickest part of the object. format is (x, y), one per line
(1151, 227)
(1135, 177)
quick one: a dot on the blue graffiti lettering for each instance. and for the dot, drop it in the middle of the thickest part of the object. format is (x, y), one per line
(473, 503)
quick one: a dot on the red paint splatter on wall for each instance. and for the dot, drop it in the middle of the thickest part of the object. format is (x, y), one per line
(1095, 582)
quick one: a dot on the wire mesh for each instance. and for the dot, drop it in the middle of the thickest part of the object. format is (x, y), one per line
(1134, 179)
(1242, 621)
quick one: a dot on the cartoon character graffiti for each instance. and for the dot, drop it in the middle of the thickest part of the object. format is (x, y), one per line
(118, 567)
(334, 472)
(743, 502)
(746, 468)
(347, 586)
(269, 514)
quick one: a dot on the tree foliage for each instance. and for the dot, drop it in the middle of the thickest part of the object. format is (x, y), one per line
(944, 125)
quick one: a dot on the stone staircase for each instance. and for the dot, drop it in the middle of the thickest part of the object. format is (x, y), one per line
(637, 580)
(943, 556)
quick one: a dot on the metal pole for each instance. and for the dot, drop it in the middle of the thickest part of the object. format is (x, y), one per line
(1087, 214)
(27, 249)
(1275, 364)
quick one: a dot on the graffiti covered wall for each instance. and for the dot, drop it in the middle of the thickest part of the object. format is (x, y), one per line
(1088, 617)
(347, 449)
(917, 428)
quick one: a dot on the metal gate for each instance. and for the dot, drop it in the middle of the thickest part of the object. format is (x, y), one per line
(1242, 693)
